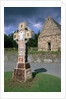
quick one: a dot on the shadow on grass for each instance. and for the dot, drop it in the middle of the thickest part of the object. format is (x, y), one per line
(38, 71)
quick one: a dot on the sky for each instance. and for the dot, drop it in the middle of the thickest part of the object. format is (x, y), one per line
(35, 16)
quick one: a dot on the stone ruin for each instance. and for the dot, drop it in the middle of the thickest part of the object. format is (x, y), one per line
(50, 36)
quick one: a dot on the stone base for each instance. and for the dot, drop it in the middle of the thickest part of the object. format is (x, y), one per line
(22, 72)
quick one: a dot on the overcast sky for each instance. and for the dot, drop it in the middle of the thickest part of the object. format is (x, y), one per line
(35, 16)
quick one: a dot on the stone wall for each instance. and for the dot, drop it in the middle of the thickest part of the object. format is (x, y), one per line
(33, 58)
(55, 41)
(51, 33)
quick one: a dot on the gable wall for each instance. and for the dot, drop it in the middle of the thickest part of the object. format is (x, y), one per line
(55, 43)
(50, 33)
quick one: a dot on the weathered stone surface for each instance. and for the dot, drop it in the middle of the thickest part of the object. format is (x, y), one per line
(22, 72)
(57, 60)
(50, 36)
(28, 73)
(15, 59)
(36, 57)
(30, 58)
(47, 60)
(19, 74)
(5, 58)
(38, 60)
(11, 57)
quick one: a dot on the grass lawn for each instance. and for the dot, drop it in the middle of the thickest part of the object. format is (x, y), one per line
(39, 83)
(34, 51)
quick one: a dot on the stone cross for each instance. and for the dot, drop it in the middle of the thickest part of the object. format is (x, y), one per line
(22, 70)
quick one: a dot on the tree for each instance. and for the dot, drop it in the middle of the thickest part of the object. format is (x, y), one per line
(7, 42)
(14, 44)
(33, 42)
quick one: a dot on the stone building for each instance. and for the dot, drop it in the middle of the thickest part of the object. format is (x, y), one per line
(50, 36)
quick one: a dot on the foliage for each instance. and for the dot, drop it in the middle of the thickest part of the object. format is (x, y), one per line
(9, 42)
(33, 42)
(39, 83)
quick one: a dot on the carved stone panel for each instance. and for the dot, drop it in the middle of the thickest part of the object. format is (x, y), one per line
(21, 35)
(21, 51)
(21, 45)
(15, 36)
(21, 59)
(28, 34)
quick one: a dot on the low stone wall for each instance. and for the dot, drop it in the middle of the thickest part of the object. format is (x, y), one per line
(45, 58)
(33, 58)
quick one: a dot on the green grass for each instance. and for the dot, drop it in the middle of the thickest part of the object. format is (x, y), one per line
(11, 49)
(39, 83)
(37, 52)
(34, 51)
